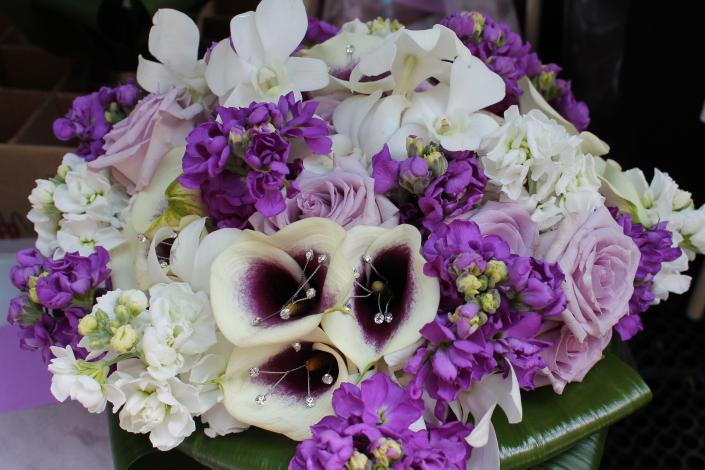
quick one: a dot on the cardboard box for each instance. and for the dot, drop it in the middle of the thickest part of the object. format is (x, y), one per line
(16, 108)
(20, 166)
(31, 68)
(38, 130)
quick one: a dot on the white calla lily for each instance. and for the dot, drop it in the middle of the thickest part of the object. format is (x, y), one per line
(173, 41)
(255, 63)
(392, 298)
(271, 289)
(300, 399)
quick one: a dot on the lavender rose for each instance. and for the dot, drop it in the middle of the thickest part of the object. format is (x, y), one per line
(599, 263)
(568, 359)
(345, 195)
(511, 222)
(136, 145)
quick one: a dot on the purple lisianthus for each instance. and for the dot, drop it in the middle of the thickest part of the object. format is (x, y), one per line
(655, 246)
(370, 428)
(92, 116)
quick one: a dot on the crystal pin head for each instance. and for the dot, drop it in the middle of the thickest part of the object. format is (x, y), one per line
(285, 313)
(327, 379)
(388, 317)
(256, 321)
(296, 346)
(379, 318)
(309, 255)
(310, 293)
(260, 399)
(310, 401)
(367, 259)
(141, 237)
(322, 258)
(254, 372)
(349, 49)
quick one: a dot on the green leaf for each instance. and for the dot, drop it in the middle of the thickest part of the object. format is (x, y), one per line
(254, 449)
(585, 455)
(552, 423)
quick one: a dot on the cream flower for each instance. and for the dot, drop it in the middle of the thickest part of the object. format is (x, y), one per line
(255, 63)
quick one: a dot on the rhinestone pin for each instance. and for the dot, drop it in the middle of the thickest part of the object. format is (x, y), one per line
(141, 237)
(367, 259)
(310, 401)
(327, 379)
(309, 255)
(310, 293)
(285, 313)
(164, 264)
(322, 258)
(349, 49)
(260, 399)
(379, 318)
(296, 346)
(254, 372)
(256, 321)
(388, 317)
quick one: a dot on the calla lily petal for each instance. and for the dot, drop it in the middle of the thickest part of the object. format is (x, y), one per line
(284, 410)
(410, 297)
(183, 251)
(153, 273)
(211, 246)
(256, 279)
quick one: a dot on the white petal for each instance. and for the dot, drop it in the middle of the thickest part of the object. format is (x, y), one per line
(149, 271)
(246, 39)
(487, 456)
(173, 41)
(473, 86)
(344, 329)
(467, 140)
(532, 99)
(397, 142)
(225, 70)
(280, 413)
(184, 249)
(349, 115)
(242, 96)
(282, 26)
(383, 123)
(307, 74)
(212, 245)
(154, 77)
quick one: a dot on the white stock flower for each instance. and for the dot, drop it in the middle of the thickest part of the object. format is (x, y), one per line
(534, 161)
(670, 279)
(45, 216)
(255, 63)
(76, 379)
(173, 41)
(84, 235)
(161, 408)
(181, 326)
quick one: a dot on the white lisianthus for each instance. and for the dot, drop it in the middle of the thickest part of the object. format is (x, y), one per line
(181, 326)
(255, 62)
(161, 408)
(534, 161)
(76, 379)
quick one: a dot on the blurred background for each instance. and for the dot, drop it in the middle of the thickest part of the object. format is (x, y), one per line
(635, 63)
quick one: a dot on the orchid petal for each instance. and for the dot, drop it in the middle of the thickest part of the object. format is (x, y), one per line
(281, 412)
(154, 77)
(486, 457)
(460, 141)
(473, 86)
(282, 26)
(531, 98)
(334, 52)
(242, 96)
(397, 142)
(416, 305)
(307, 74)
(246, 39)
(225, 69)
(384, 121)
(349, 115)
(173, 41)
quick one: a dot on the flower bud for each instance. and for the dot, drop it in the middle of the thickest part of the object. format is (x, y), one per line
(470, 285)
(414, 175)
(414, 146)
(123, 339)
(87, 324)
(478, 23)
(437, 162)
(62, 171)
(134, 300)
(489, 301)
(358, 461)
(496, 272)
(387, 451)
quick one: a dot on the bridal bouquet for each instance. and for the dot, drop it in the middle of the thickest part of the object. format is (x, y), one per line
(364, 239)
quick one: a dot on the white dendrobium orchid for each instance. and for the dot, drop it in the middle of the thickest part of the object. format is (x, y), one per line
(255, 63)
(173, 41)
(286, 387)
(76, 379)
(449, 114)
(391, 298)
(186, 257)
(180, 328)
(162, 409)
(534, 161)
(272, 289)
(411, 57)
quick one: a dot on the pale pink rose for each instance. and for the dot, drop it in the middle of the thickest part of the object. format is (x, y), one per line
(568, 360)
(599, 262)
(511, 222)
(136, 145)
(344, 195)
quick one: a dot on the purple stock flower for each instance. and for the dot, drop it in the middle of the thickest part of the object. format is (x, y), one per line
(495, 303)
(252, 146)
(319, 31)
(655, 246)
(29, 264)
(92, 116)
(371, 427)
(506, 54)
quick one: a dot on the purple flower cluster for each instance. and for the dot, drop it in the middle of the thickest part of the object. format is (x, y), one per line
(428, 193)
(56, 294)
(241, 160)
(319, 31)
(506, 54)
(495, 303)
(92, 116)
(370, 429)
(655, 245)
